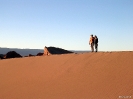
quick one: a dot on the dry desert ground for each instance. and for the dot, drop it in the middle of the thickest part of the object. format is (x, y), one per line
(102, 75)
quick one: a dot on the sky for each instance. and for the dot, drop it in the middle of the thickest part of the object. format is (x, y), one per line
(67, 24)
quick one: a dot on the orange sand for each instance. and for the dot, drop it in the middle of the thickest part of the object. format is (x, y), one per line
(101, 75)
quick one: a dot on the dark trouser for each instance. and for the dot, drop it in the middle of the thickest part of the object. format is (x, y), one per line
(96, 47)
(92, 47)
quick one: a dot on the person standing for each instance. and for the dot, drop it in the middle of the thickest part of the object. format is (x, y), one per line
(96, 43)
(91, 43)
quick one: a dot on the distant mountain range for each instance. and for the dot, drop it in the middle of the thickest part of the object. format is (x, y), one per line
(25, 52)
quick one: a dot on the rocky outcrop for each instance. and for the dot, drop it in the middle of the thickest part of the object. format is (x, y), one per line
(12, 54)
(54, 50)
(39, 54)
(2, 56)
(46, 52)
(30, 55)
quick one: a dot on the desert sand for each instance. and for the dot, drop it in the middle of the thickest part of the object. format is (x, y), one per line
(102, 75)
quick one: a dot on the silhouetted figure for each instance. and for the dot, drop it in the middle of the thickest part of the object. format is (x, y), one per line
(96, 43)
(91, 43)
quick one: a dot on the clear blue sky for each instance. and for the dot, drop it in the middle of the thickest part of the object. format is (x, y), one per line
(66, 23)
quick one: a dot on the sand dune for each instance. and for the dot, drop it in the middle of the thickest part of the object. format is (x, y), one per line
(102, 75)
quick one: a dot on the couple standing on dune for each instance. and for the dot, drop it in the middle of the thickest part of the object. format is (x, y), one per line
(93, 42)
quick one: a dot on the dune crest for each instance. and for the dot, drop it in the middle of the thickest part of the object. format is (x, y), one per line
(102, 75)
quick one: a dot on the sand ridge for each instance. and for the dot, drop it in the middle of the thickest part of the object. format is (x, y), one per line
(102, 75)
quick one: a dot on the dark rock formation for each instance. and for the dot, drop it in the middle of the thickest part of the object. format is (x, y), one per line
(12, 54)
(54, 50)
(22, 52)
(30, 55)
(2, 56)
(39, 54)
